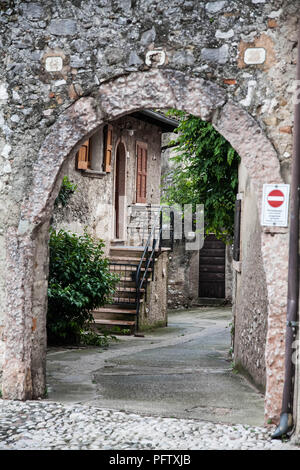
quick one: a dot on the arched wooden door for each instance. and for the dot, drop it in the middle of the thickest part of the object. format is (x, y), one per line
(120, 187)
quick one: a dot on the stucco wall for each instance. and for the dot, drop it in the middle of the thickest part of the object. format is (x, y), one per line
(228, 274)
(251, 304)
(92, 204)
(153, 312)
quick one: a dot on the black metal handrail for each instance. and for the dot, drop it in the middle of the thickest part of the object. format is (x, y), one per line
(127, 271)
(130, 296)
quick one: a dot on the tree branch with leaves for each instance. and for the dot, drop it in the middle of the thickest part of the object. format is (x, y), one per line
(204, 171)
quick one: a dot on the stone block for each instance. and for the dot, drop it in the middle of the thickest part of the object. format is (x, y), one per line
(214, 7)
(63, 27)
(218, 55)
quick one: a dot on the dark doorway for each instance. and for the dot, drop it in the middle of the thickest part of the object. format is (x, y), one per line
(212, 269)
(120, 192)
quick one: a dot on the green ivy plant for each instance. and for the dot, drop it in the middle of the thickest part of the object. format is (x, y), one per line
(66, 191)
(79, 282)
(205, 171)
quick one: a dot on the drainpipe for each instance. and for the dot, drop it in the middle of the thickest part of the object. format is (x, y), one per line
(286, 417)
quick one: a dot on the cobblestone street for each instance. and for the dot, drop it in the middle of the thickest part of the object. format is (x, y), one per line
(42, 425)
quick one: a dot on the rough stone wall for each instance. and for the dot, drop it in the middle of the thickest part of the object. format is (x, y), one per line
(92, 204)
(68, 66)
(183, 277)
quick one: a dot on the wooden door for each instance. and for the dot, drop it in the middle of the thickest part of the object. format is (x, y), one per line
(212, 269)
(120, 191)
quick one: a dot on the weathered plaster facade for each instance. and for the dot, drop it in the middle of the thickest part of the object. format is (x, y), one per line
(100, 72)
(251, 303)
(93, 203)
(153, 312)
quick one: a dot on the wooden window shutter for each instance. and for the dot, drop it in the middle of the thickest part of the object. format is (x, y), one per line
(83, 156)
(141, 174)
(108, 137)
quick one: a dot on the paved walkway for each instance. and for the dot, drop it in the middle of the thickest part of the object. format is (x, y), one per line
(173, 389)
(181, 371)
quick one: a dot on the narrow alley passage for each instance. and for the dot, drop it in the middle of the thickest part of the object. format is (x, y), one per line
(174, 388)
(186, 373)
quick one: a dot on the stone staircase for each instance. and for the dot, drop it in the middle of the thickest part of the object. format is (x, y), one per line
(122, 312)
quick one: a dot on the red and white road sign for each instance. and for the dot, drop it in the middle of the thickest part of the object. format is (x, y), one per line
(275, 198)
(275, 205)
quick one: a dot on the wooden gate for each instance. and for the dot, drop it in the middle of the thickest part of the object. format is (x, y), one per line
(212, 269)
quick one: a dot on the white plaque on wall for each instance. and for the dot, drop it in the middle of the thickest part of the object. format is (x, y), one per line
(255, 55)
(275, 205)
(54, 64)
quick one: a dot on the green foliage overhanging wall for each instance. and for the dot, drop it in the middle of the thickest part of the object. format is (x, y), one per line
(205, 171)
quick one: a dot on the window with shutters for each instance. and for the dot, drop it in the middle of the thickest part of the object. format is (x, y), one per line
(141, 173)
(95, 154)
(84, 156)
(107, 148)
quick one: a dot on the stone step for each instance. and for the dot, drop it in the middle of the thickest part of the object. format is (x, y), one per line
(125, 300)
(117, 242)
(207, 301)
(114, 316)
(115, 309)
(125, 259)
(129, 283)
(131, 251)
(115, 322)
(123, 267)
(129, 290)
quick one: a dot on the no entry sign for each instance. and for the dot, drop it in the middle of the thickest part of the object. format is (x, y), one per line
(275, 198)
(275, 205)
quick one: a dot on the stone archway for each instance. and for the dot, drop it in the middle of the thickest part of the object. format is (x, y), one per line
(27, 252)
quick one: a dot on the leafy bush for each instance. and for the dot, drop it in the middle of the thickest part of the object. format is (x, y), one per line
(205, 172)
(79, 282)
(66, 191)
